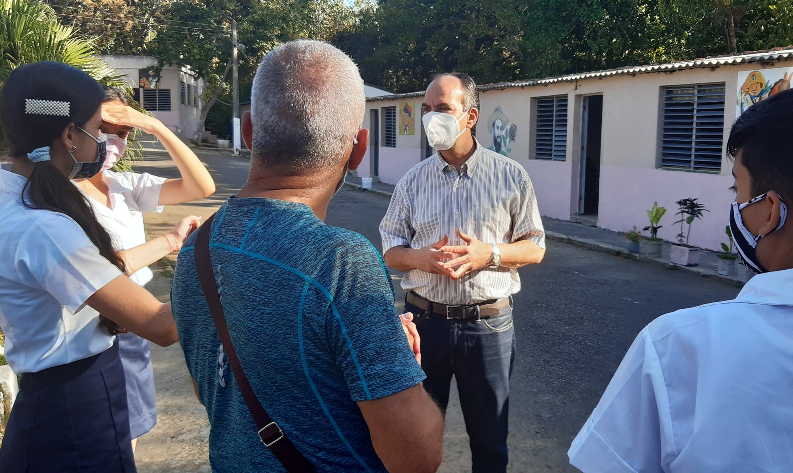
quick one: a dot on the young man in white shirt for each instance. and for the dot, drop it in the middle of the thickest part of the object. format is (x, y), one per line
(710, 389)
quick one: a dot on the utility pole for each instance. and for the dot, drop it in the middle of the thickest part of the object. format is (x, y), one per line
(235, 120)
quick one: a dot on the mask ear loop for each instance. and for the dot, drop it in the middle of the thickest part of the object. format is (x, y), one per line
(782, 215)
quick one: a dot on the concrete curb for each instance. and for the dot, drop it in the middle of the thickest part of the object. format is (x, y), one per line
(608, 248)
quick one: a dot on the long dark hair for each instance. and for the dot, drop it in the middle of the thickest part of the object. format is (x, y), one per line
(47, 188)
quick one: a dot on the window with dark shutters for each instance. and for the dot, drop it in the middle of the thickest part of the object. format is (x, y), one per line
(693, 127)
(157, 100)
(550, 128)
(389, 127)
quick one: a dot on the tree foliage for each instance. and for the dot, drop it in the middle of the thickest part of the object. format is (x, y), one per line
(123, 26)
(400, 43)
(262, 25)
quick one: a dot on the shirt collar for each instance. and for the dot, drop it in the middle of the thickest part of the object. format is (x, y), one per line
(11, 183)
(468, 167)
(769, 288)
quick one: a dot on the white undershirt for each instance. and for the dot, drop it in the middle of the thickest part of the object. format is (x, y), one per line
(131, 194)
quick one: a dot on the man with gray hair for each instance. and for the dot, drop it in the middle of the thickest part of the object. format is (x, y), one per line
(309, 307)
(459, 225)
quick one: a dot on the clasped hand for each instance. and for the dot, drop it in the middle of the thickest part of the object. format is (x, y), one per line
(458, 261)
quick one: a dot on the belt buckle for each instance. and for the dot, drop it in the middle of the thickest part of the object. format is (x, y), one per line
(450, 308)
(461, 307)
(278, 434)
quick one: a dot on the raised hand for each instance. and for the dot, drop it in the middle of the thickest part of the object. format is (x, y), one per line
(181, 231)
(116, 114)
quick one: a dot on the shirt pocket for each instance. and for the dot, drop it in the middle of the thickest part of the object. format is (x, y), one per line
(428, 228)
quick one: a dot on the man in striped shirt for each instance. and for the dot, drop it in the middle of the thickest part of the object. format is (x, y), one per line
(459, 225)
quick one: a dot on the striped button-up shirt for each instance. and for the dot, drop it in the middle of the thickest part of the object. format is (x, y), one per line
(490, 197)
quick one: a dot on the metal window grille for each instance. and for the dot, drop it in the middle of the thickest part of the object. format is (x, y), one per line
(157, 100)
(183, 93)
(389, 127)
(693, 127)
(550, 128)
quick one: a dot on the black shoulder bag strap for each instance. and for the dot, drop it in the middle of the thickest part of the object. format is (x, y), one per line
(270, 432)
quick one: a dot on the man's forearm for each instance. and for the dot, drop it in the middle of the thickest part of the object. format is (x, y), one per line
(400, 258)
(520, 253)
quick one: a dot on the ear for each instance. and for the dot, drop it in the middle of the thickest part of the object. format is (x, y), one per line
(771, 216)
(359, 149)
(68, 136)
(247, 130)
(473, 118)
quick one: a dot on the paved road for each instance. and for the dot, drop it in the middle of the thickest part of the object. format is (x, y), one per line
(576, 315)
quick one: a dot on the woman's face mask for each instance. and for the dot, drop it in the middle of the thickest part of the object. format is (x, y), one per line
(746, 241)
(89, 169)
(116, 146)
(442, 129)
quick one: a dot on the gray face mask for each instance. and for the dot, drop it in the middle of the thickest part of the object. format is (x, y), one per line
(86, 170)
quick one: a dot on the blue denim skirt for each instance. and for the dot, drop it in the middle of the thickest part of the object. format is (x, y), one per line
(136, 360)
(71, 419)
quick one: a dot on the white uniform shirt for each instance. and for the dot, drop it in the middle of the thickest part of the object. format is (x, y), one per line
(131, 194)
(701, 390)
(48, 269)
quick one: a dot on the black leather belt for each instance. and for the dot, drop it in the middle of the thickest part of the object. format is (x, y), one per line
(481, 310)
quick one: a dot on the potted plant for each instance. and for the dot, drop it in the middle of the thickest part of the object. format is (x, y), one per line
(634, 237)
(652, 246)
(727, 255)
(688, 211)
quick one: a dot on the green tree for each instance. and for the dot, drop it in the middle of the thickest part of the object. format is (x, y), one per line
(400, 43)
(699, 28)
(122, 26)
(198, 36)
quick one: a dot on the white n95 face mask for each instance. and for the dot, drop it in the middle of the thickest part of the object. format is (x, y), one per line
(442, 129)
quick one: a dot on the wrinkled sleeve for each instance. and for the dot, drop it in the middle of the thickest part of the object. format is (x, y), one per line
(60, 258)
(370, 346)
(146, 190)
(395, 228)
(526, 219)
(627, 430)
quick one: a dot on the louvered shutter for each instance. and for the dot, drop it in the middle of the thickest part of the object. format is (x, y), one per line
(693, 127)
(550, 132)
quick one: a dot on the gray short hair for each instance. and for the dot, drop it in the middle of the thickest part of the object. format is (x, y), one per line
(307, 104)
(470, 92)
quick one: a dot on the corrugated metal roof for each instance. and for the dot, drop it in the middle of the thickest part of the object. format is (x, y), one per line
(771, 55)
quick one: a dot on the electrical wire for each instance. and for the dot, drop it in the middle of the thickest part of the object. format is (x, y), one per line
(187, 24)
(101, 21)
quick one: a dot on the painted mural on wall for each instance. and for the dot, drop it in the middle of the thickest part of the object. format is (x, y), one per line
(407, 119)
(758, 85)
(149, 78)
(502, 132)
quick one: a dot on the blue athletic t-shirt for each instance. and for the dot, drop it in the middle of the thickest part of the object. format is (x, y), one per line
(310, 312)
